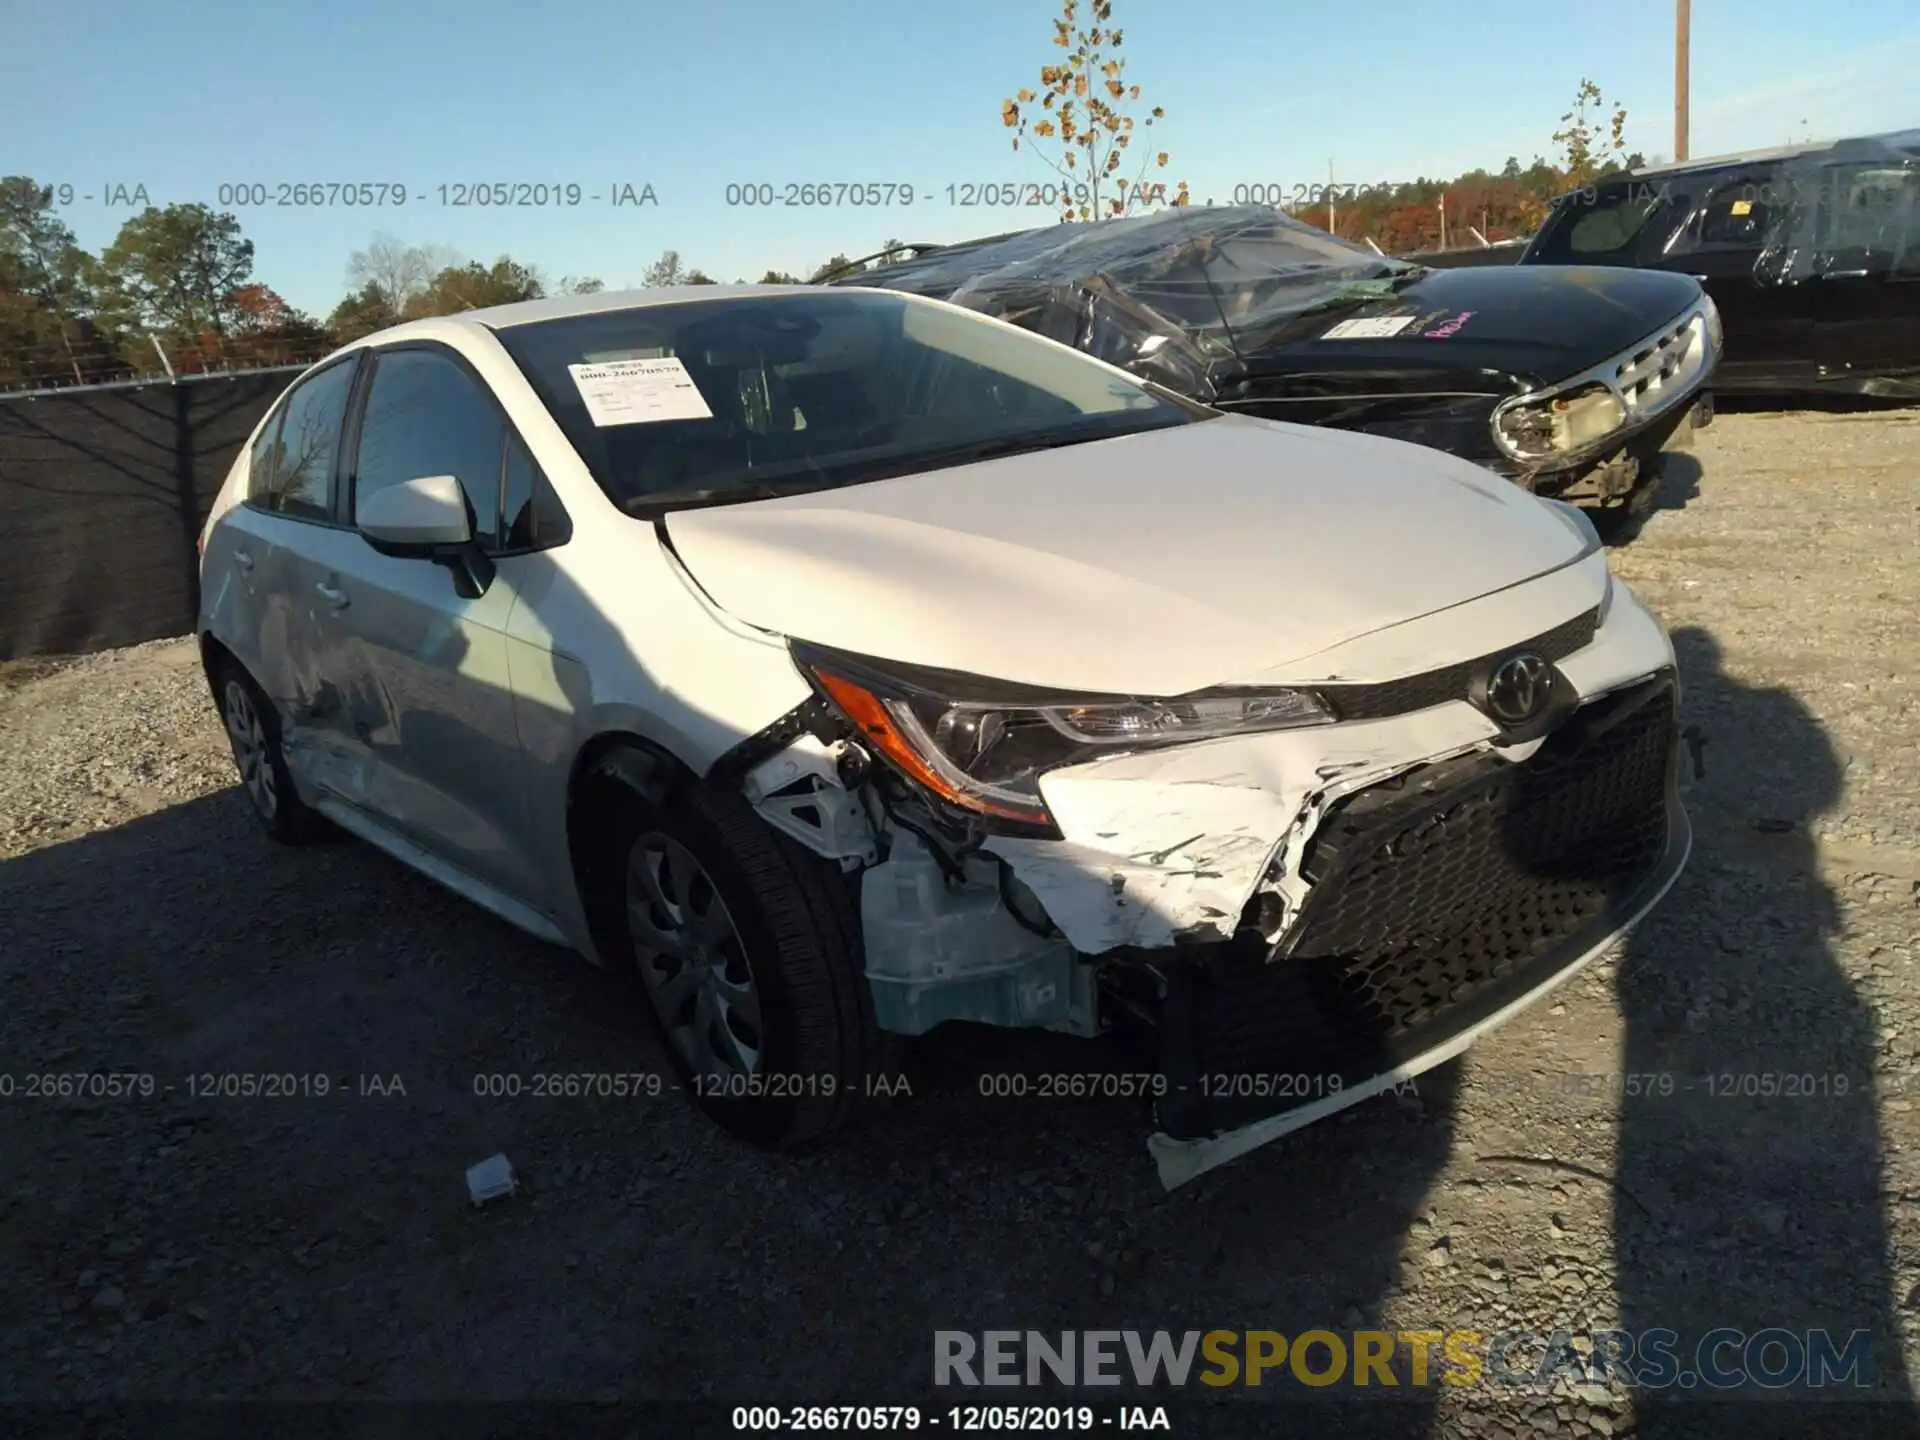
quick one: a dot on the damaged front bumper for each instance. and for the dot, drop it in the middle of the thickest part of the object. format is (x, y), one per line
(1444, 905)
(1331, 909)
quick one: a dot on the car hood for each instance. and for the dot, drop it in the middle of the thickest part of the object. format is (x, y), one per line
(1154, 563)
(1524, 325)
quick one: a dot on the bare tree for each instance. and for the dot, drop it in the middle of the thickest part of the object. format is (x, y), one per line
(396, 270)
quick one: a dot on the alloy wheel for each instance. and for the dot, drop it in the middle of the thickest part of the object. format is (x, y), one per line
(252, 751)
(691, 959)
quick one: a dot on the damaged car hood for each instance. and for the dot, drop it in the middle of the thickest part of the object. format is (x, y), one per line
(1154, 563)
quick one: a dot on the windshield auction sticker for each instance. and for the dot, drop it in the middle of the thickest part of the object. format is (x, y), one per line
(639, 392)
(1376, 327)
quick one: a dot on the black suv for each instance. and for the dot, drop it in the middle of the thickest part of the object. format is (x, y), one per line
(1811, 253)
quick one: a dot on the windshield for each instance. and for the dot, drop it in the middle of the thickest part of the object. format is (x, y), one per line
(740, 398)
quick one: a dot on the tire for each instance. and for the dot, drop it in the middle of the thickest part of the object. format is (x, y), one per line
(253, 731)
(786, 925)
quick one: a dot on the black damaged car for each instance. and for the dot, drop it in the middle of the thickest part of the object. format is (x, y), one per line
(1569, 381)
(1812, 254)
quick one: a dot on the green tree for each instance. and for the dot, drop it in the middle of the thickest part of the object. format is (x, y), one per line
(174, 271)
(474, 286)
(583, 285)
(46, 289)
(698, 277)
(361, 313)
(1082, 122)
(667, 270)
(834, 263)
(779, 277)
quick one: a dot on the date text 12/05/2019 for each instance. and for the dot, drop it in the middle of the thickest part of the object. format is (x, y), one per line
(885, 194)
(961, 1419)
(457, 194)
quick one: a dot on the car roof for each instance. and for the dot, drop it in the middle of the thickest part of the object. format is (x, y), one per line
(562, 307)
(1888, 143)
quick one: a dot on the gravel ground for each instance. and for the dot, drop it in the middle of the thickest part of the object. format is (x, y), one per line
(181, 1246)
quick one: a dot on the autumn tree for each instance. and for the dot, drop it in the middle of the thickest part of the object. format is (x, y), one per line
(1080, 126)
(1587, 151)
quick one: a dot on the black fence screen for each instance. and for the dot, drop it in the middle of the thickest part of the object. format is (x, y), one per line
(102, 491)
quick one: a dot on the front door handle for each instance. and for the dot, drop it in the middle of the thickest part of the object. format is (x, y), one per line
(243, 560)
(336, 599)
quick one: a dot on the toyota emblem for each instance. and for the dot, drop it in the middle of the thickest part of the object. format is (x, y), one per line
(1518, 688)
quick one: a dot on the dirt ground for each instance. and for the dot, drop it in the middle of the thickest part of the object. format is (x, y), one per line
(188, 1246)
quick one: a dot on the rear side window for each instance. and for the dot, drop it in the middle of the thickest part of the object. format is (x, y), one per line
(426, 416)
(292, 468)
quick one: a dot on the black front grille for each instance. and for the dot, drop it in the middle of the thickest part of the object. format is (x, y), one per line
(1435, 687)
(1431, 890)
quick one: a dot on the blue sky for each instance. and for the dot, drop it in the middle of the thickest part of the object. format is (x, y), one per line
(182, 99)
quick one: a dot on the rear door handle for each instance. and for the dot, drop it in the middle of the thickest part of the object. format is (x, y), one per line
(336, 599)
(243, 560)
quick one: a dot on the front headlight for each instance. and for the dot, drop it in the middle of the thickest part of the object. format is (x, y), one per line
(1550, 429)
(1714, 330)
(986, 751)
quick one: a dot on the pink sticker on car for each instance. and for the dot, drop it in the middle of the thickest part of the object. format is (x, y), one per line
(1448, 328)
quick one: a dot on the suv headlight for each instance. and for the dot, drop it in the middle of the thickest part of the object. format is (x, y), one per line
(1554, 427)
(1714, 331)
(983, 745)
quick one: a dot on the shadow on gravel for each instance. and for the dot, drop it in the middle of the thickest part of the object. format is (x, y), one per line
(1751, 1162)
(1678, 486)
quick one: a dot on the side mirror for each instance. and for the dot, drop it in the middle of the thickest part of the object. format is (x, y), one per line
(417, 518)
(427, 519)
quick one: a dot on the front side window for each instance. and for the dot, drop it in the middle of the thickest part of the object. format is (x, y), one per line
(426, 416)
(294, 475)
(1740, 212)
(714, 401)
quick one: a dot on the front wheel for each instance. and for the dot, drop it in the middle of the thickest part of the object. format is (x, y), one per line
(253, 733)
(748, 950)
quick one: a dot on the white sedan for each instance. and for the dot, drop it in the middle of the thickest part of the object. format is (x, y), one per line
(845, 663)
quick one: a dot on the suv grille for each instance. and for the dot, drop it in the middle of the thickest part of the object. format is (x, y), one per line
(1435, 687)
(1432, 889)
(1655, 374)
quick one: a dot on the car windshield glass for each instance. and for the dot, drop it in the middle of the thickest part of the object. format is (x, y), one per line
(1169, 294)
(744, 397)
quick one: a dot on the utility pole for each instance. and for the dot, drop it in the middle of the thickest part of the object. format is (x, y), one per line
(1682, 34)
(1330, 229)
